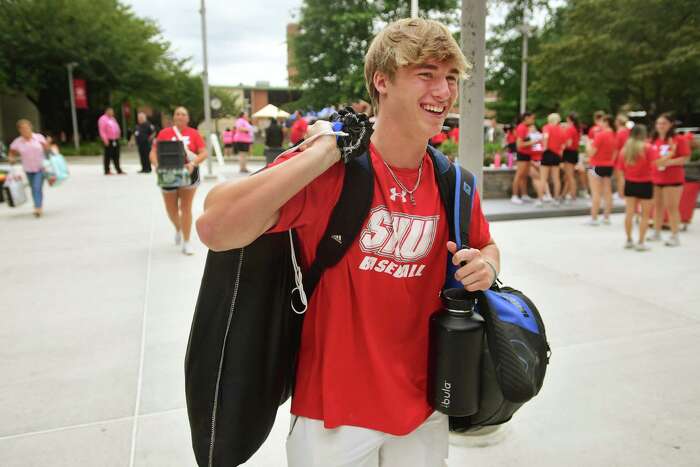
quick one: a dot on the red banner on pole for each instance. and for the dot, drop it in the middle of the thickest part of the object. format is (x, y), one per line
(80, 92)
(126, 109)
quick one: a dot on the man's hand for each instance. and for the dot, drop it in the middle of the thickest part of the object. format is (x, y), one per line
(326, 142)
(476, 274)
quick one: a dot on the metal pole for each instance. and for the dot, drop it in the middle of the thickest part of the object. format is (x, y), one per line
(414, 8)
(523, 73)
(472, 90)
(205, 82)
(71, 93)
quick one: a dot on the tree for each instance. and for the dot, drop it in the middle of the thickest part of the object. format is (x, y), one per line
(627, 53)
(333, 38)
(119, 54)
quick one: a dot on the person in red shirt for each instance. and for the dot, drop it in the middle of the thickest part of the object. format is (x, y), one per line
(636, 160)
(178, 201)
(299, 129)
(570, 156)
(668, 177)
(603, 152)
(361, 383)
(524, 145)
(554, 142)
(598, 115)
(438, 139)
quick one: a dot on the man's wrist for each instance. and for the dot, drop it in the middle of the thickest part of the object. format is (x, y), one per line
(493, 270)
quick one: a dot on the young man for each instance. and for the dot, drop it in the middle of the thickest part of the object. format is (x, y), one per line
(361, 387)
(110, 132)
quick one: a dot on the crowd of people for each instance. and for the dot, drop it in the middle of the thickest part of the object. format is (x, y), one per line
(618, 155)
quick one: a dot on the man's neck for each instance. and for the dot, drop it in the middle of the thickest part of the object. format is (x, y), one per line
(397, 146)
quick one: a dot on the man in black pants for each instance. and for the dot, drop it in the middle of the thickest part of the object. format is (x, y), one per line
(143, 135)
(109, 134)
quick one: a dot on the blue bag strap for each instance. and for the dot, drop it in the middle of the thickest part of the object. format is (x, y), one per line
(464, 183)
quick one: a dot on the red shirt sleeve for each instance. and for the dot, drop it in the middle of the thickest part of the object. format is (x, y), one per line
(682, 146)
(196, 141)
(479, 231)
(314, 202)
(521, 132)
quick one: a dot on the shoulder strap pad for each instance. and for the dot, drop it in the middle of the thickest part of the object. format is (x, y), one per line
(345, 221)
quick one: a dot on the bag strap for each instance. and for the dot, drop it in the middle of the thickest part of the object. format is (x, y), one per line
(345, 221)
(178, 135)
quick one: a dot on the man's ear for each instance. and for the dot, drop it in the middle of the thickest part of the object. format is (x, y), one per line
(381, 82)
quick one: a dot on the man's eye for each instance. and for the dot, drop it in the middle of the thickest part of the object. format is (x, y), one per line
(425, 75)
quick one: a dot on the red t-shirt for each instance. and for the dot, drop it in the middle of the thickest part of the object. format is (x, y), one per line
(593, 131)
(575, 136)
(605, 144)
(621, 136)
(510, 137)
(364, 346)
(453, 134)
(439, 138)
(191, 137)
(556, 138)
(675, 174)
(641, 169)
(522, 132)
(298, 130)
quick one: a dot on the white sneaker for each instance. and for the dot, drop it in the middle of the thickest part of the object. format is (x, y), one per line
(556, 203)
(655, 237)
(593, 222)
(616, 196)
(642, 247)
(567, 198)
(515, 200)
(178, 238)
(629, 244)
(538, 204)
(547, 198)
(527, 199)
(673, 241)
(585, 195)
(187, 248)
(606, 221)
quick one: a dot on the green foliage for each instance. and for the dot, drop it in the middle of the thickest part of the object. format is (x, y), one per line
(119, 54)
(635, 53)
(333, 39)
(449, 148)
(87, 148)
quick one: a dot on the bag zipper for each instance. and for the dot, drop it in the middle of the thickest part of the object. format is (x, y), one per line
(232, 309)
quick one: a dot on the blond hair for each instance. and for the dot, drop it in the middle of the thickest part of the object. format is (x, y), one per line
(410, 41)
(635, 145)
(553, 119)
(24, 121)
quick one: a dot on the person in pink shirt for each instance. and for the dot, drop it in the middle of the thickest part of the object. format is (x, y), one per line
(242, 139)
(109, 134)
(30, 148)
(228, 141)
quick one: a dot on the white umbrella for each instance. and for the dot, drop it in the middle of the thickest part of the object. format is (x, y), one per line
(270, 111)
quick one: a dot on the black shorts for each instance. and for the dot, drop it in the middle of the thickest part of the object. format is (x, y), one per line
(228, 145)
(604, 172)
(524, 157)
(512, 147)
(666, 185)
(550, 159)
(194, 182)
(641, 190)
(240, 147)
(570, 156)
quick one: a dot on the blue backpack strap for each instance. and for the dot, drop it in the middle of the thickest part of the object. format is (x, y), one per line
(345, 221)
(456, 185)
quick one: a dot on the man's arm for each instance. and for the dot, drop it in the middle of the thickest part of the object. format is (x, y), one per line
(238, 212)
(101, 127)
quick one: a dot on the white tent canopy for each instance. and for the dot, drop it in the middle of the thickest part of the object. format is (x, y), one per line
(270, 111)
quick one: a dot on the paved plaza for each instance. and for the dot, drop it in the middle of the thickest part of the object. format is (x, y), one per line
(96, 306)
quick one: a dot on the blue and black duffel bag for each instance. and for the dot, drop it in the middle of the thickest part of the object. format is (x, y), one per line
(514, 358)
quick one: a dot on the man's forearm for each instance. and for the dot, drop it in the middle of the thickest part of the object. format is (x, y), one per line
(492, 255)
(236, 213)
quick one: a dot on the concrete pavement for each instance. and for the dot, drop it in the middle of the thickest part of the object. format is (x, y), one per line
(96, 305)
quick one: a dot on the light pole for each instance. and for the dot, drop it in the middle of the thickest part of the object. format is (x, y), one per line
(205, 83)
(414, 8)
(71, 93)
(525, 29)
(471, 95)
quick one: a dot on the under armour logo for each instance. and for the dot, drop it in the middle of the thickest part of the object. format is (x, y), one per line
(337, 238)
(395, 193)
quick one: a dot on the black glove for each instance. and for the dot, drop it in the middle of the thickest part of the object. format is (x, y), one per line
(359, 130)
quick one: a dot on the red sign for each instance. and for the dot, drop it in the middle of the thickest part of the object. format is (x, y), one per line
(80, 92)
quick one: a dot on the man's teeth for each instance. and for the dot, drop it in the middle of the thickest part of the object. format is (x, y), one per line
(432, 108)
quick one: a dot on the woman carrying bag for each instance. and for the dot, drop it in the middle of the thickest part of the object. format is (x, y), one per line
(30, 147)
(178, 199)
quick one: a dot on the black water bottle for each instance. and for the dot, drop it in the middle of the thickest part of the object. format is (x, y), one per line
(456, 335)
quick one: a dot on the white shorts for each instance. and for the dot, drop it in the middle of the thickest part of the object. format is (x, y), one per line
(309, 444)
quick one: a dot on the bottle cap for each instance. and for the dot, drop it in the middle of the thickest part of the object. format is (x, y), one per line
(459, 300)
